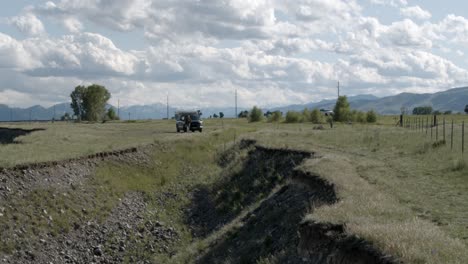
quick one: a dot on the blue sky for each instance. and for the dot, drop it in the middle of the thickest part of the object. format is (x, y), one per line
(274, 52)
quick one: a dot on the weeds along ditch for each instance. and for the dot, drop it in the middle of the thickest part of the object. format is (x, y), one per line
(196, 200)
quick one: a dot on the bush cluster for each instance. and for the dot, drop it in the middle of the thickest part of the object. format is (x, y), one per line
(315, 116)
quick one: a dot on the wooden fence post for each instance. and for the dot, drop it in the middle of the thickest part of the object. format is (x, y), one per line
(444, 129)
(427, 124)
(437, 133)
(463, 137)
(431, 132)
(451, 137)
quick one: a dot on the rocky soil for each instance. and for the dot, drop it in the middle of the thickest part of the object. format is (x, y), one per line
(258, 183)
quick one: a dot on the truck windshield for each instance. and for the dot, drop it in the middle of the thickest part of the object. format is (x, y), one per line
(182, 116)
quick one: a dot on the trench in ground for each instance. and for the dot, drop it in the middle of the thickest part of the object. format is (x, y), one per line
(272, 197)
(251, 213)
(8, 135)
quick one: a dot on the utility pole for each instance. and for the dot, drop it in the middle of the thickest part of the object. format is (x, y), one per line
(338, 89)
(235, 114)
(11, 115)
(53, 118)
(30, 115)
(167, 106)
(118, 108)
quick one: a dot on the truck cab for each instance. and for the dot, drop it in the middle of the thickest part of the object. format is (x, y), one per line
(188, 121)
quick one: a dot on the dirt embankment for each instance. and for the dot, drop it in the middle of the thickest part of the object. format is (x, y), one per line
(8, 135)
(276, 197)
(259, 189)
(38, 201)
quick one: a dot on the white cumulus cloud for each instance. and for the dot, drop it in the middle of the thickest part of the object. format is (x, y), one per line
(415, 12)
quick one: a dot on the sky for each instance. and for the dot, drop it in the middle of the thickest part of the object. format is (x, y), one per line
(199, 52)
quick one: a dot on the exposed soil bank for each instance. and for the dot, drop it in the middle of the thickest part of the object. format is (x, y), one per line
(8, 135)
(259, 188)
(273, 231)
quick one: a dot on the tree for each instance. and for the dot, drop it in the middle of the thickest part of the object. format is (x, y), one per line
(466, 109)
(94, 102)
(305, 114)
(255, 114)
(342, 109)
(243, 114)
(65, 117)
(275, 116)
(89, 103)
(316, 116)
(215, 116)
(221, 114)
(371, 116)
(422, 110)
(77, 97)
(111, 115)
(361, 117)
(293, 117)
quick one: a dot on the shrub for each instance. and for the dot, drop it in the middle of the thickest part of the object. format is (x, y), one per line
(316, 116)
(255, 115)
(341, 109)
(293, 117)
(305, 114)
(275, 116)
(371, 116)
(361, 117)
(111, 115)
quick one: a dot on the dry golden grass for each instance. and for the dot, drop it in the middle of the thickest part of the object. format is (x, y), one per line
(396, 190)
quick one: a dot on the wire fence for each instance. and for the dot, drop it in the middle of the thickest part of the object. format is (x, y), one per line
(438, 129)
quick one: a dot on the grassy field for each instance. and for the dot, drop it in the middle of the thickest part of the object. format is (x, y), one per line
(398, 188)
(61, 140)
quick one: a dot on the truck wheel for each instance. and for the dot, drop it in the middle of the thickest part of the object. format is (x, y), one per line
(185, 129)
(178, 130)
(200, 130)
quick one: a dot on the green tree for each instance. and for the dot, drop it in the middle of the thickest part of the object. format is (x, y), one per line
(371, 116)
(111, 115)
(77, 98)
(466, 109)
(361, 117)
(341, 110)
(255, 115)
(293, 117)
(243, 114)
(221, 114)
(65, 117)
(275, 116)
(95, 101)
(89, 103)
(316, 116)
(422, 110)
(305, 114)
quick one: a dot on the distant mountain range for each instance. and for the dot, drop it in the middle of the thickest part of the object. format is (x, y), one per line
(453, 100)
